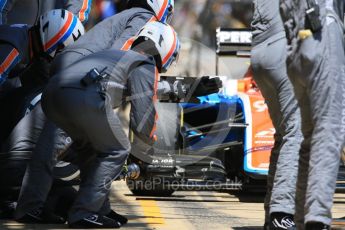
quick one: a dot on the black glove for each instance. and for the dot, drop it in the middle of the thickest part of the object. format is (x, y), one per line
(205, 86)
(179, 90)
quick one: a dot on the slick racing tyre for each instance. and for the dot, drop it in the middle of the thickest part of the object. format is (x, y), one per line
(167, 132)
(168, 126)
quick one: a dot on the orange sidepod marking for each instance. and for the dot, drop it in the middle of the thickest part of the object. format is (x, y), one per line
(262, 131)
(8, 61)
(155, 98)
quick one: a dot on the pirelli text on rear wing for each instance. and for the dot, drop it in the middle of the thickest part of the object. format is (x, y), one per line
(236, 42)
(232, 42)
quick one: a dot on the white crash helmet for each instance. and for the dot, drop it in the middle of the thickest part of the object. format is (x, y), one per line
(163, 9)
(165, 40)
(59, 28)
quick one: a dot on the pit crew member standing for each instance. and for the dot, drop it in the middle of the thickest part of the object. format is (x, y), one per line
(99, 130)
(316, 67)
(29, 11)
(269, 68)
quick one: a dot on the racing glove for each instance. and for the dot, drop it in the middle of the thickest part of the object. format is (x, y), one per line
(179, 90)
(204, 86)
(168, 91)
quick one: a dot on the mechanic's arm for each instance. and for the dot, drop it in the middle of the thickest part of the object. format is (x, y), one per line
(179, 90)
(9, 58)
(142, 86)
(80, 8)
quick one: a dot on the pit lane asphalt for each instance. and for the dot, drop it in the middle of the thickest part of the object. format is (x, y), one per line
(188, 210)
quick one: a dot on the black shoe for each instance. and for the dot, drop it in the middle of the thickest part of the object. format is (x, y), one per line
(7, 209)
(115, 216)
(316, 226)
(281, 221)
(95, 221)
(41, 217)
(266, 226)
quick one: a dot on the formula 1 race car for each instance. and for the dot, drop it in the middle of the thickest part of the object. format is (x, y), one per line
(219, 141)
(216, 142)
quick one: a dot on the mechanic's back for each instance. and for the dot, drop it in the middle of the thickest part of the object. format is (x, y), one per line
(113, 32)
(105, 34)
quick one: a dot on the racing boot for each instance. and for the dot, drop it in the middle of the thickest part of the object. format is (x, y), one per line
(281, 221)
(117, 217)
(7, 209)
(316, 226)
(95, 221)
(41, 216)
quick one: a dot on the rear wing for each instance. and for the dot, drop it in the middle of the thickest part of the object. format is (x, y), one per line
(232, 42)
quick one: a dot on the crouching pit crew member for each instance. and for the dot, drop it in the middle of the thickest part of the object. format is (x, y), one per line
(80, 100)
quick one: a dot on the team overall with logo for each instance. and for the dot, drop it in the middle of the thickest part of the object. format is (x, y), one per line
(316, 67)
(269, 70)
